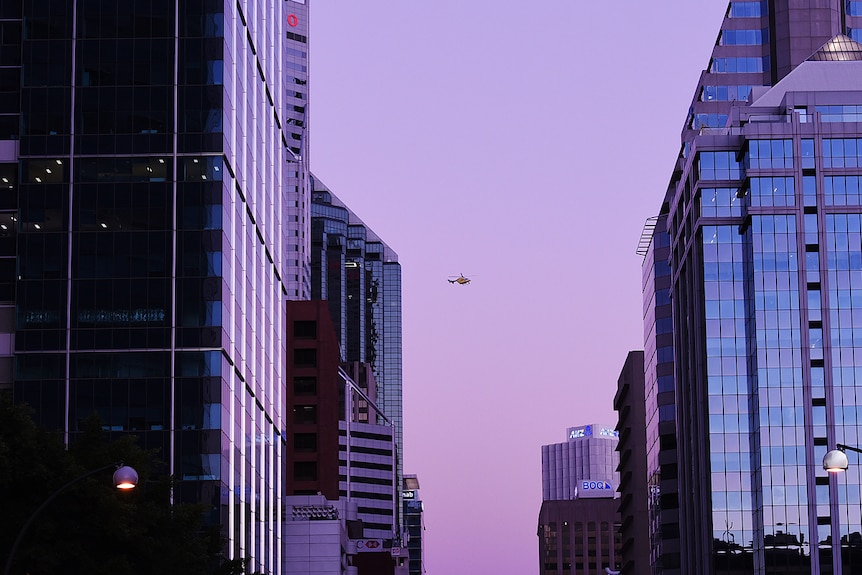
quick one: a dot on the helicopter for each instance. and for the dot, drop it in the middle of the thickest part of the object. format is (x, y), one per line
(460, 279)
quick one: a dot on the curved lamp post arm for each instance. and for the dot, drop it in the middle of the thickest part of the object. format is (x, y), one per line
(843, 447)
(45, 504)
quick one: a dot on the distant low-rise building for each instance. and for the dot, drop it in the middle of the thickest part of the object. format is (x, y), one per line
(589, 452)
(415, 524)
(579, 522)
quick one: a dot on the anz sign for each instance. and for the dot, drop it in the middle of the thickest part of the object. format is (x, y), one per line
(590, 431)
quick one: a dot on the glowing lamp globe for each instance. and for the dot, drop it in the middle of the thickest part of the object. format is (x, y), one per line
(835, 461)
(125, 477)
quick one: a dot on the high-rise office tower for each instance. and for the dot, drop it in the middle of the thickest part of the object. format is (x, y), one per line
(763, 217)
(154, 208)
(359, 275)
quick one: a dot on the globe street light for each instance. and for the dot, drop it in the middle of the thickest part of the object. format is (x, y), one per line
(125, 478)
(835, 461)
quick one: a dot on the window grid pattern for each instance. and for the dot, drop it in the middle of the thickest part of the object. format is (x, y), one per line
(842, 152)
(104, 240)
(727, 385)
(744, 37)
(708, 121)
(777, 384)
(842, 190)
(747, 9)
(725, 93)
(739, 65)
(843, 267)
(769, 154)
(719, 202)
(840, 113)
(776, 191)
(719, 166)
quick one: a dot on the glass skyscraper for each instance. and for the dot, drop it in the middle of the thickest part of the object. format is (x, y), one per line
(359, 275)
(154, 220)
(764, 245)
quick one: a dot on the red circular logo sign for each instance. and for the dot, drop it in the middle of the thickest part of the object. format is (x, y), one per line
(292, 20)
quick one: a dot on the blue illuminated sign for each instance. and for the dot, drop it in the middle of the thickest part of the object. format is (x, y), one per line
(581, 432)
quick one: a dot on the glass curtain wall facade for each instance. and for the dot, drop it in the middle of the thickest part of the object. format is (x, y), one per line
(759, 43)
(359, 275)
(766, 253)
(11, 30)
(153, 174)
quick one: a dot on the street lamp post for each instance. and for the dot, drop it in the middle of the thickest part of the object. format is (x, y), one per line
(835, 461)
(125, 478)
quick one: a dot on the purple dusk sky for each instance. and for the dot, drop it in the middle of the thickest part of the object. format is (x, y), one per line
(522, 144)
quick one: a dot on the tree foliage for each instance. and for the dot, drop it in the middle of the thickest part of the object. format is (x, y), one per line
(92, 527)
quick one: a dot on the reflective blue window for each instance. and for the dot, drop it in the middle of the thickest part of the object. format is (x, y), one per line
(747, 9)
(840, 113)
(744, 37)
(776, 191)
(809, 190)
(739, 65)
(854, 8)
(719, 166)
(719, 202)
(810, 223)
(807, 153)
(725, 93)
(842, 190)
(769, 154)
(842, 152)
(708, 121)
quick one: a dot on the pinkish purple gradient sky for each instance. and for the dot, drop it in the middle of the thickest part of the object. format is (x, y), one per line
(524, 144)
